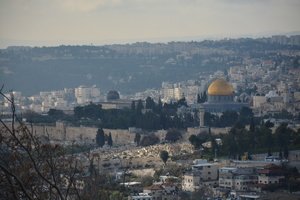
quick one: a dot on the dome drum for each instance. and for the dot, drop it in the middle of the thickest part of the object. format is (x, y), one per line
(220, 98)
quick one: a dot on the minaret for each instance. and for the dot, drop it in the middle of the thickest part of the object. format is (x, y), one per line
(201, 116)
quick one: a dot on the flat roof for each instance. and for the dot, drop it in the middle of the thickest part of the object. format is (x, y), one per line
(250, 196)
(203, 164)
(131, 183)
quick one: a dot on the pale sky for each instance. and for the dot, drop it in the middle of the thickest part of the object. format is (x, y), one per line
(55, 22)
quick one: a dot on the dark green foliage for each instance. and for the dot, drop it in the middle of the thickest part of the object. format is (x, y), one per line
(239, 140)
(283, 136)
(137, 139)
(296, 62)
(228, 118)
(202, 97)
(149, 140)
(245, 115)
(194, 141)
(91, 111)
(139, 107)
(33, 117)
(100, 138)
(159, 106)
(198, 98)
(109, 140)
(198, 140)
(58, 114)
(164, 156)
(173, 135)
(115, 118)
(269, 124)
(252, 125)
(133, 106)
(182, 102)
(150, 104)
(157, 117)
(296, 137)
(147, 181)
(148, 121)
(234, 142)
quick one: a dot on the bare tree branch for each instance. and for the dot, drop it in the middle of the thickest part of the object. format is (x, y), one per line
(17, 179)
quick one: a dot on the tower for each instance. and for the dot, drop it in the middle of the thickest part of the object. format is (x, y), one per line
(201, 116)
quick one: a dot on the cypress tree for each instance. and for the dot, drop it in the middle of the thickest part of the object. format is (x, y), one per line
(100, 138)
(109, 140)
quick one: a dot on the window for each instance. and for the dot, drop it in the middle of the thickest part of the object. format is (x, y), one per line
(208, 172)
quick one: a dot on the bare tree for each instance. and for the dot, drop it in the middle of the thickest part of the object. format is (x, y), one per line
(30, 169)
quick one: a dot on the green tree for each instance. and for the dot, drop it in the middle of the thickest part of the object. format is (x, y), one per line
(158, 107)
(198, 98)
(150, 104)
(194, 141)
(57, 114)
(100, 138)
(228, 118)
(198, 140)
(139, 106)
(265, 138)
(109, 140)
(246, 114)
(149, 140)
(173, 135)
(202, 97)
(269, 124)
(252, 125)
(164, 156)
(133, 106)
(91, 111)
(182, 102)
(137, 138)
(283, 136)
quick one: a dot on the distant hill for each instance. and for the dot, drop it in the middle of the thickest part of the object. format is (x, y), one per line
(127, 68)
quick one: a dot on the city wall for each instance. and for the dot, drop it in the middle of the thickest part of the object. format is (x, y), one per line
(61, 132)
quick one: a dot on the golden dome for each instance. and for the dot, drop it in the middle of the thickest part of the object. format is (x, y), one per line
(220, 87)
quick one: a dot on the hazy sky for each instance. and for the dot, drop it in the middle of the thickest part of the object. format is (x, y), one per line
(54, 22)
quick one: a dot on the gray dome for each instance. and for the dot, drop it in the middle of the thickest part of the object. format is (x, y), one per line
(113, 95)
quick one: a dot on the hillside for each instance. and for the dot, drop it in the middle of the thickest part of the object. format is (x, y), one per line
(127, 68)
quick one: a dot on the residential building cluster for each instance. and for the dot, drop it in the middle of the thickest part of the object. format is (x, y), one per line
(65, 99)
(218, 180)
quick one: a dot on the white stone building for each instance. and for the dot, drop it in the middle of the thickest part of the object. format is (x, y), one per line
(203, 174)
(86, 94)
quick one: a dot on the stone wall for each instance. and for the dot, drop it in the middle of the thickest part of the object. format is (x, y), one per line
(61, 132)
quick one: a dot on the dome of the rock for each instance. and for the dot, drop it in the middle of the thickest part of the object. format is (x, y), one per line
(220, 87)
